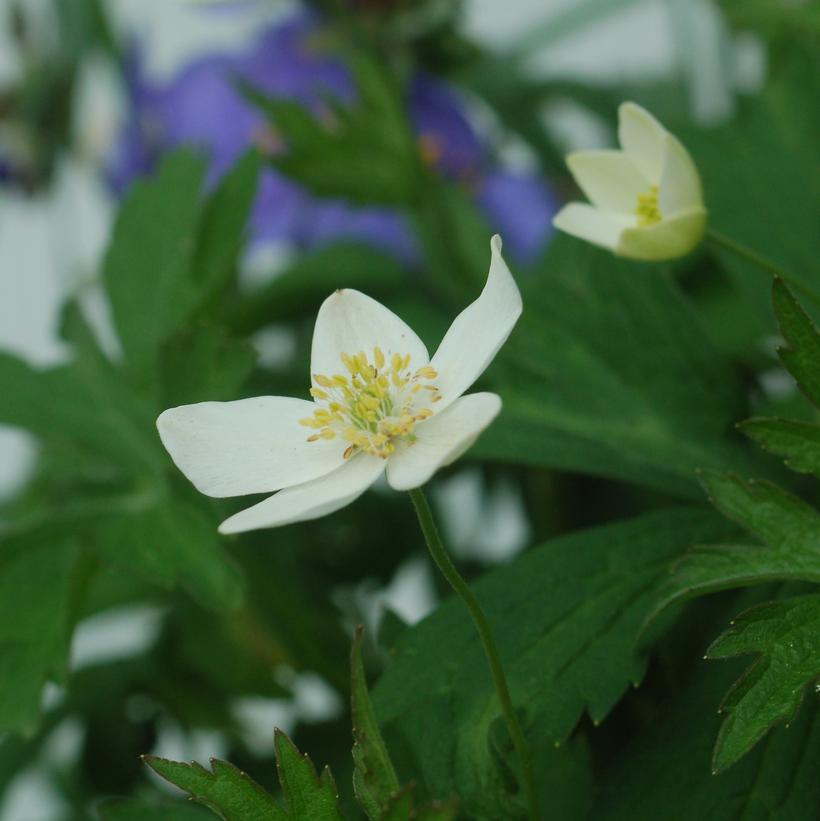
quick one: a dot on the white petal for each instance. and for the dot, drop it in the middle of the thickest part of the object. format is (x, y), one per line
(478, 332)
(610, 179)
(643, 138)
(248, 446)
(310, 500)
(441, 440)
(665, 240)
(680, 188)
(349, 322)
(602, 228)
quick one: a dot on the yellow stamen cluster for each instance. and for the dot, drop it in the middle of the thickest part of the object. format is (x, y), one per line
(374, 404)
(648, 210)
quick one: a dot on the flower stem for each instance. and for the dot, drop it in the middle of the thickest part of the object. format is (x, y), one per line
(728, 244)
(457, 582)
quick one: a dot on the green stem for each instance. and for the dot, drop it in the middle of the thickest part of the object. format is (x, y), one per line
(445, 564)
(728, 244)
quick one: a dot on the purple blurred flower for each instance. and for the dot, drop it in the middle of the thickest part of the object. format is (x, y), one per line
(203, 107)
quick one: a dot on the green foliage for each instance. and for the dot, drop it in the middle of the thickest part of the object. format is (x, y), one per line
(595, 327)
(149, 811)
(802, 355)
(786, 636)
(566, 616)
(797, 442)
(363, 152)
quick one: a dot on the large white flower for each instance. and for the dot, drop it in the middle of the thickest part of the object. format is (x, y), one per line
(647, 200)
(379, 403)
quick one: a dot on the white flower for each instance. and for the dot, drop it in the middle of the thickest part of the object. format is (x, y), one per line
(380, 403)
(647, 201)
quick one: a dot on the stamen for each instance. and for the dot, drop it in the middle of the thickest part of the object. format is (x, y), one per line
(648, 211)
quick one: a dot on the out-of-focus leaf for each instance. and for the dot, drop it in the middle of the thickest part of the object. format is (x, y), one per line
(786, 636)
(364, 152)
(609, 372)
(148, 267)
(300, 289)
(230, 793)
(374, 779)
(797, 442)
(223, 226)
(137, 810)
(80, 403)
(36, 584)
(566, 616)
(174, 543)
(666, 772)
(789, 527)
(203, 364)
(802, 356)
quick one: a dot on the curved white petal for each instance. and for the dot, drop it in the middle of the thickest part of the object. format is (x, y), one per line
(349, 322)
(310, 500)
(441, 440)
(478, 332)
(610, 179)
(680, 188)
(248, 446)
(599, 227)
(643, 138)
(665, 240)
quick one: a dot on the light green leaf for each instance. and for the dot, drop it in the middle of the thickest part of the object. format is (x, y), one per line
(802, 356)
(797, 442)
(786, 636)
(230, 793)
(566, 616)
(36, 585)
(374, 779)
(173, 543)
(148, 265)
(665, 772)
(309, 797)
(609, 372)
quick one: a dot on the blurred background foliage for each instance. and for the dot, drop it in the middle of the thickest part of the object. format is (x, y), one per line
(377, 144)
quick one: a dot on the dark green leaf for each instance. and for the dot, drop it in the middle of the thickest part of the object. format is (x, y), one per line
(786, 636)
(203, 364)
(666, 771)
(173, 543)
(148, 265)
(36, 581)
(802, 357)
(309, 797)
(229, 792)
(797, 442)
(609, 372)
(566, 616)
(136, 810)
(374, 779)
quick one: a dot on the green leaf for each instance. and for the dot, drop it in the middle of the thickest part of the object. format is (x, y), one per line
(83, 403)
(173, 543)
(36, 585)
(225, 789)
(609, 372)
(789, 527)
(374, 779)
(364, 152)
(148, 264)
(309, 797)
(566, 616)
(786, 636)
(797, 442)
(223, 225)
(665, 770)
(802, 357)
(203, 364)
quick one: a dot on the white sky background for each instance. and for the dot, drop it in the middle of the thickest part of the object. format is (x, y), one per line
(50, 244)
